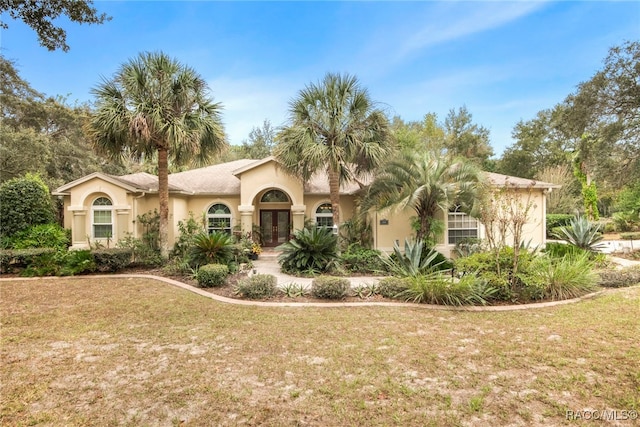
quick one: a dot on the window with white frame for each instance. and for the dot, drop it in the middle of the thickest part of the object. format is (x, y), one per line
(324, 216)
(219, 218)
(102, 218)
(461, 226)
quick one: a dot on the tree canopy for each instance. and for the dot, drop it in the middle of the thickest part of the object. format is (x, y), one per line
(156, 106)
(39, 15)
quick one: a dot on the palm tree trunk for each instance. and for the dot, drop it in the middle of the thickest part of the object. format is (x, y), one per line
(334, 194)
(163, 195)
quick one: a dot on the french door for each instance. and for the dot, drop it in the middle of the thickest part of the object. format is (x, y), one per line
(274, 225)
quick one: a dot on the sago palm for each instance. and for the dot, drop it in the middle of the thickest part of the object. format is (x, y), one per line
(155, 106)
(426, 182)
(334, 127)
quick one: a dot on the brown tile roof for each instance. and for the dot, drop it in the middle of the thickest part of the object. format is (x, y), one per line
(143, 181)
(215, 179)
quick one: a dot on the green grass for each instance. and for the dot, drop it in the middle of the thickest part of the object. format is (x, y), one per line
(82, 351)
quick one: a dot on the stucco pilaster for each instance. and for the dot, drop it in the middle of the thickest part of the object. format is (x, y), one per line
(246, 217)
(297, 214)
(79, 227)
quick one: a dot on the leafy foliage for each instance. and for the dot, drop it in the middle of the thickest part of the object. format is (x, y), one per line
(426, 182)
(557, 220)
(111, 259)
(581, 233)
(392, 287)
(12, 260)
(212, 275)
(24, 202)
(257, 286)
(357, 259)
(214, 248)
(628, 276)
(39, 236)
(327, 287)
(311, 250)
(334, 128)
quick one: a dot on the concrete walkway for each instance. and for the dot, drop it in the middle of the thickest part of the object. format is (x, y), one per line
(267, 263)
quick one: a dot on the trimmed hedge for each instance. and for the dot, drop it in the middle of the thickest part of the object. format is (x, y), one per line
(112, 259)
(392, 287)
(327, 287)
(257, 286)
(13, 260)
(212, 275)
(628, 276)
(557, 220)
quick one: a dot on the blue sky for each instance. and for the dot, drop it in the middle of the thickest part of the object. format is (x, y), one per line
(504, 60)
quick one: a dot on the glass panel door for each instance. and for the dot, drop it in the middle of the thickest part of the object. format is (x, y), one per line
(266, 224)
(283, 226)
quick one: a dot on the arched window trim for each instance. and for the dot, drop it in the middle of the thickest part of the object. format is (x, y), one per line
(102, 218)
(324, 215)
(277, 192)
(219, 221)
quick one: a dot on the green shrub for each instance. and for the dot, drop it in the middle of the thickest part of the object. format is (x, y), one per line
(141, 252)
(628, 276)
(563, 278)
(357, 259)
(212, 275)
(13, 260)
(41, 236)
(327, 287)
(311, 250)
(112, 259)
(76, 262)
(214, 248)
(257, 287)
(392, 287)
(436, 288)
(557, 220)
(630, 236)
(24, 202)
(626, 221)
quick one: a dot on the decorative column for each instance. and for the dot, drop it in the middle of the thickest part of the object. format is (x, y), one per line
(122, 224)
(79, 227)
(246, 217)
(297, 212)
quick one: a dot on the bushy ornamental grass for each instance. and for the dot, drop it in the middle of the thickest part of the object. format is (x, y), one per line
(562, 278)
(327, 287)
(257, 287)
(437, 288)
(212, 275)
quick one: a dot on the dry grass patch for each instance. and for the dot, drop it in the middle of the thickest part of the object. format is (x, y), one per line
(81, 351)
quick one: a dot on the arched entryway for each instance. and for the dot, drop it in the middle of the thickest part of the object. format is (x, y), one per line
(274, 210)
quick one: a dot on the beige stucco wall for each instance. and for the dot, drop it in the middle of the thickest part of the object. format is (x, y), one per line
(78, 213)
(266, 176)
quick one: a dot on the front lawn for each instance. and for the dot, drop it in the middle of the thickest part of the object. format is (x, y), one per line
(84, 351)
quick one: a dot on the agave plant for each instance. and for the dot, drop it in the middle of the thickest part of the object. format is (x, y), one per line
(214, 248)
(581, 233)
(412, 262)
(312, 250)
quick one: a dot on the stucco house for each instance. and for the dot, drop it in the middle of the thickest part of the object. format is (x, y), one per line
(240, 194)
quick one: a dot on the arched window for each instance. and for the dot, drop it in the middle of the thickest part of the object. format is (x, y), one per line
(324, 215)
(276, 196)
(219, 218)
(102, 218)
(461, 226)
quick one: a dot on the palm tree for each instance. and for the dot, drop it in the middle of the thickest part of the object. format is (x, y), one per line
(155, 106)
(334, 127)
(426, 182)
